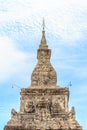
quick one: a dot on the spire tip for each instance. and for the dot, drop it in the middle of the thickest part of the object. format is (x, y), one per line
(43, 24)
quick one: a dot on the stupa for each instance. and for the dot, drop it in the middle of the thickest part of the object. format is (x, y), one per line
(44, 104)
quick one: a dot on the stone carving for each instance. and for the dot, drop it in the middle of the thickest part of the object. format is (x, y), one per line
(61, 101)
(43, 103)
(13, 112)
(56, 108)
(72, 114)
(29, 107)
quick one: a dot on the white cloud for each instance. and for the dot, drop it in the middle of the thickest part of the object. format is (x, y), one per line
(11, 59)
(66, 18)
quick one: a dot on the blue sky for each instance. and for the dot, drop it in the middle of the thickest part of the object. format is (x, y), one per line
(20, 35)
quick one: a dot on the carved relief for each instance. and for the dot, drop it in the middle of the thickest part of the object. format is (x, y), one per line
(56, 108)
(43, 103)
(72, 114)
(29, 107)
(61, 100)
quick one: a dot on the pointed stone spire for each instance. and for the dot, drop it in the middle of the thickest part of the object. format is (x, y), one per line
(43, 74)
(43, 43)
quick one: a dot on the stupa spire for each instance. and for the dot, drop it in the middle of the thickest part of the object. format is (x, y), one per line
(43, 43)
(43, 74)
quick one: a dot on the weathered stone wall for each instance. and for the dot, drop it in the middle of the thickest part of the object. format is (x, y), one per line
(31, 97)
